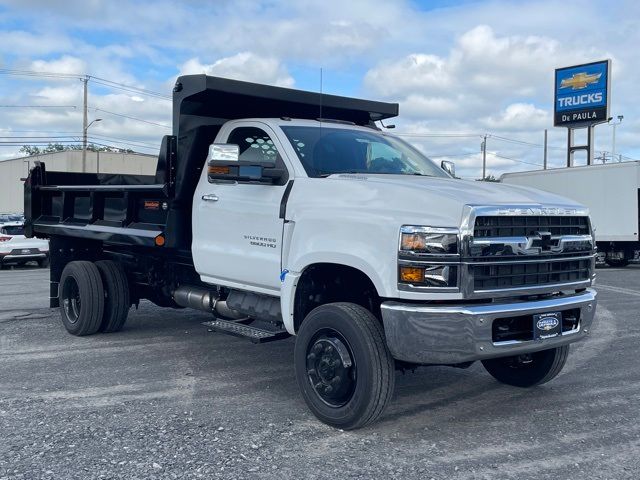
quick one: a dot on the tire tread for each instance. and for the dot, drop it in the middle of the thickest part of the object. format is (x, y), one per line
(116, 308)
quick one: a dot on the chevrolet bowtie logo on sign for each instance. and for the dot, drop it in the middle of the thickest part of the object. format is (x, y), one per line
(580, 80)
(582, 94)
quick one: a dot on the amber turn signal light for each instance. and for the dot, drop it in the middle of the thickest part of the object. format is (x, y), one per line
(160, 240)
(412, 274)
(219, 170)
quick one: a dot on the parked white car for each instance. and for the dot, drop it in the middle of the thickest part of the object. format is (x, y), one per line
(16, 249)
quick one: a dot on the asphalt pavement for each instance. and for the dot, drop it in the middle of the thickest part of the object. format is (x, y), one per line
(165, 398)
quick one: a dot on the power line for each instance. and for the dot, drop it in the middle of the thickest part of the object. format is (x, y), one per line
(516, 160)
(130, 117)
(437, 155)
(38, 131)
(128, 88)
(97, 80)
(38, 106)
(131, 143)
(430, 135)
(32, 73)
(38, 136)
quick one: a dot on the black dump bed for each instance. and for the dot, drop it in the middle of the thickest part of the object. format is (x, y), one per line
(156, 210)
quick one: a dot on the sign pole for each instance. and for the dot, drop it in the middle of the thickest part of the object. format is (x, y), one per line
(544, 163)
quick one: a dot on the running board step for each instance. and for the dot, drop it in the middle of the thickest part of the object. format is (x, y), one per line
(256, 335)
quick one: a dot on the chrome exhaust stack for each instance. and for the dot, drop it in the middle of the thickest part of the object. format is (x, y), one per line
(199, 298)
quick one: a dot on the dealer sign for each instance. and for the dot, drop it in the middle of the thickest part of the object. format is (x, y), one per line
(582, 94)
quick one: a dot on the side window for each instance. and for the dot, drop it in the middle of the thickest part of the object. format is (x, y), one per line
(255, 145)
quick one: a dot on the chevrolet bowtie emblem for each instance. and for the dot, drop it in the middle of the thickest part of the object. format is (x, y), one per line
(581, 80)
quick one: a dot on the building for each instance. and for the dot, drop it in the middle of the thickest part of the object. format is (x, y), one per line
(13, 170)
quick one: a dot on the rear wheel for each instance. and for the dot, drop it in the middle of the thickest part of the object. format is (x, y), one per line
(343, 367)
(530, 369)
(117, 302)
(81, 297)
(617, 262)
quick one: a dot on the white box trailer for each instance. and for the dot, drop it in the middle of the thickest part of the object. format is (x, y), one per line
(612, 193)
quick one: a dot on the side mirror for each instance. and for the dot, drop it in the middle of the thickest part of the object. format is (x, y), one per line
(223, 152)
(223, 164)
(448, 167)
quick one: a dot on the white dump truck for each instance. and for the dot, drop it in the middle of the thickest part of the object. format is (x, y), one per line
(281, 212)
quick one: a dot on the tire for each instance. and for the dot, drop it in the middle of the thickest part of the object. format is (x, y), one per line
(617, 262)
(44, 263)
(116, 291)
(528, 370)
(331, 337)
(81, 297)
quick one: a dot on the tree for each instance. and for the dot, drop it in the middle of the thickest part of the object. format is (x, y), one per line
(31, 150)
(489, 178)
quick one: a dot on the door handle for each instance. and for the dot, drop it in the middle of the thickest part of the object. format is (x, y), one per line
(210, 197)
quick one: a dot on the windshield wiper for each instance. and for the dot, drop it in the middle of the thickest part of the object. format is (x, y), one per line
(325, 175)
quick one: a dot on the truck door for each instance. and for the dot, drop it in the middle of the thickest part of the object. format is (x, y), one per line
(237, 229)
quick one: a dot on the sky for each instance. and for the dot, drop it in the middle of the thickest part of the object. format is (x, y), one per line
(459, 69)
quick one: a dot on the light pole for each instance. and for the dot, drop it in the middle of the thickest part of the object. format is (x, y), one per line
(483, 146)
(84, 143)
(613, 141)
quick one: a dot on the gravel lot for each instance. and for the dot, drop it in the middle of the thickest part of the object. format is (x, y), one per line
(166, 399)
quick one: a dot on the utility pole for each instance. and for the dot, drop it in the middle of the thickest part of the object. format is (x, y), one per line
(484, 157)
(544, 162)
(613, 140)
(85, 126)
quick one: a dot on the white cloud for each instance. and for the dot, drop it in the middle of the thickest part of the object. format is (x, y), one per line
(65, 64)
(242, 66)
(460, 68)
(518, 116)
(415, 72)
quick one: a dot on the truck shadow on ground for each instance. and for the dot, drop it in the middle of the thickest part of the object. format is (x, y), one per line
(430, 397)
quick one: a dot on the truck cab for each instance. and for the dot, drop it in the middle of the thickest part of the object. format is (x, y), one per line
(286, 213)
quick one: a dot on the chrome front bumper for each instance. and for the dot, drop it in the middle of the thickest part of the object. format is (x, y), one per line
(429, 334)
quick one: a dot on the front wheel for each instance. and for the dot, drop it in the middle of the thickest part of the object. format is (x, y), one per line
(343, 366)
(530, 369)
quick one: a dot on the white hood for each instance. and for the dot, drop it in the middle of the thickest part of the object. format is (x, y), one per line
(465, 192)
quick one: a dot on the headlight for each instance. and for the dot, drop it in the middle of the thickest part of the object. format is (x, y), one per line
(429, 257)
(428, 240)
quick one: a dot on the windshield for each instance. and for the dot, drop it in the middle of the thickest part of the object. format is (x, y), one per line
(324, 151)
(12, 230)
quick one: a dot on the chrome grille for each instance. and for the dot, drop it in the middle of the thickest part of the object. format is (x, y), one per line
(529, 252)
(522, 226)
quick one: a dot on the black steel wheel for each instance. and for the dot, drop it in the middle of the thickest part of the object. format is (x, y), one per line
(331, 367)
(81, 297)
(530, 369)
(343, 366)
